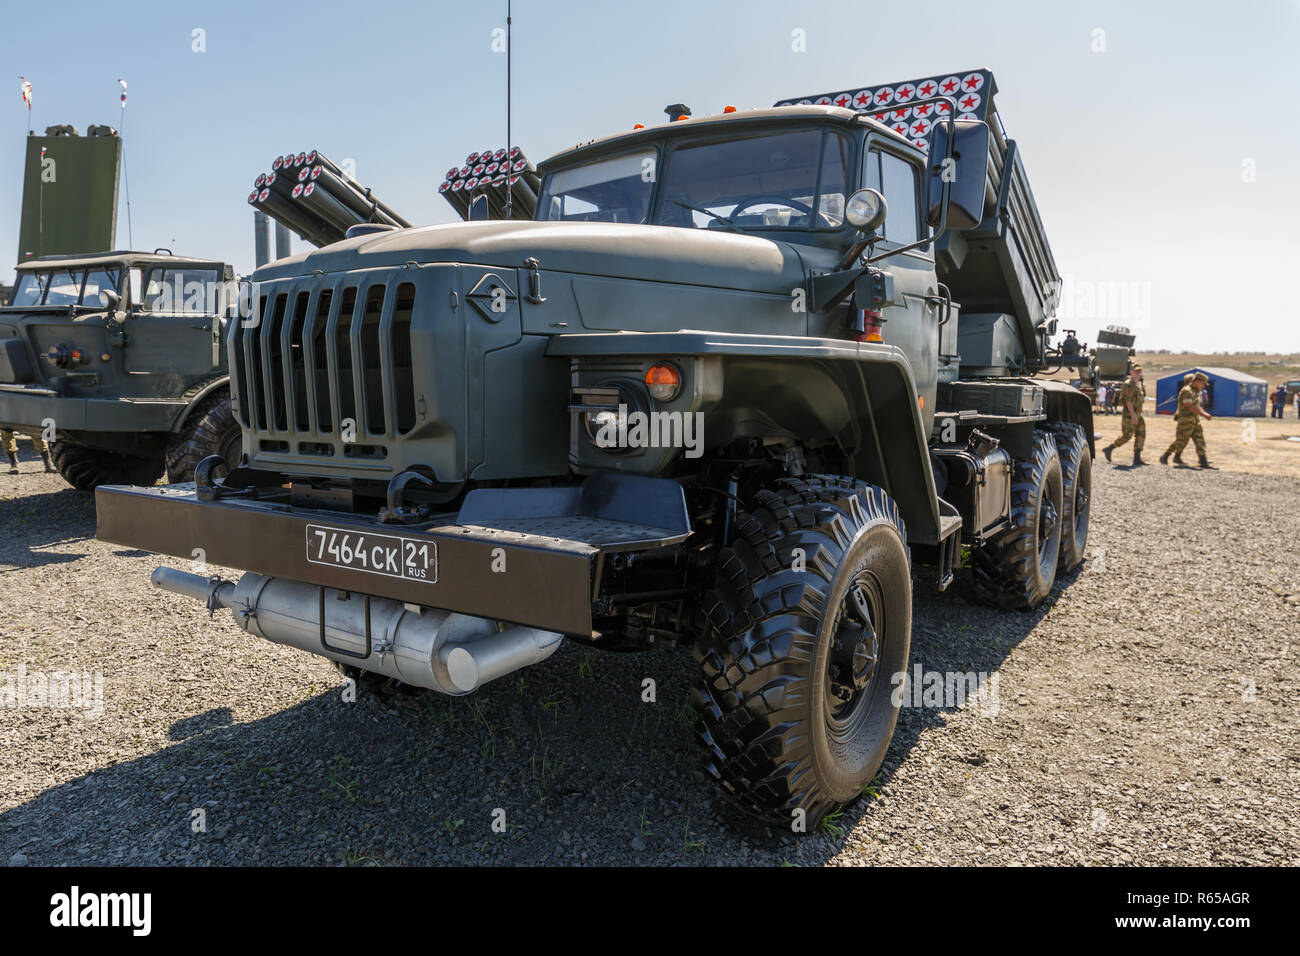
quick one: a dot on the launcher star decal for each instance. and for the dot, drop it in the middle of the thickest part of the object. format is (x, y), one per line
(892, 105)
(491, 295)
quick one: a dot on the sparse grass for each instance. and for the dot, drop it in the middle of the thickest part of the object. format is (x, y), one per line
(341, 781)
(688, 841)
(585, 670)
(831, 824)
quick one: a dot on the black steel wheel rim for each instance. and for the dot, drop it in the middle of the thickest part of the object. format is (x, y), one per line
(852, 667)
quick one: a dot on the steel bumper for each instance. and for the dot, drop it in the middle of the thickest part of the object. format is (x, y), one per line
(542, 582)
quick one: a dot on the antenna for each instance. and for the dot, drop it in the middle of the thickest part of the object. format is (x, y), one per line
(508, 154)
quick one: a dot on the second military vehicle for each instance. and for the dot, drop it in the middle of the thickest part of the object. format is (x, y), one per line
(741, 377)
(120, 359)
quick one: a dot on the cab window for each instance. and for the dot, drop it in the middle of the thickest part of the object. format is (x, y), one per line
(610, 190)
(895, 179)
(65, 288)
(179, 289)
(30, 289)
(788, 179)
(97, 281)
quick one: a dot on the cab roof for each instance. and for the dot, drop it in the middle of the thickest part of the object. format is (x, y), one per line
(117, 255)
(716, 121)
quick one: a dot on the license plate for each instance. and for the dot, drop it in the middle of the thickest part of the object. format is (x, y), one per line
(392, 556)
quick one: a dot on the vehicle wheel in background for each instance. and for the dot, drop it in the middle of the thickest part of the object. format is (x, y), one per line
(1076, 493)
(88, 468)
(1018, 569)
(210, 429)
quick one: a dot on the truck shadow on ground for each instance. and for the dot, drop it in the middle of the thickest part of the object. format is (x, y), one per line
(569, 760)
(31, 523)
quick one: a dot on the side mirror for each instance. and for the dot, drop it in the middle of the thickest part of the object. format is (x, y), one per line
(962, 167)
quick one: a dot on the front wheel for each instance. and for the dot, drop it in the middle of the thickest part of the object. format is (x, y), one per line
(210, 429)
(807, 626)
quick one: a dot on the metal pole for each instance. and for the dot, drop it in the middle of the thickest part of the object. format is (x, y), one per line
(508, 207)
(261, 247)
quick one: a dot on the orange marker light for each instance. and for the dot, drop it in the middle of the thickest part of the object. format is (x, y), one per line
(728, 109)
(682, 117)
(663, 381)
(638, 125)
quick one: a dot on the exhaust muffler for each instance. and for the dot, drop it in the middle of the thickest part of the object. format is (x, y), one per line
(427, 647)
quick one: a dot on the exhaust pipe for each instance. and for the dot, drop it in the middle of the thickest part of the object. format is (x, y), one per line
(451, 653)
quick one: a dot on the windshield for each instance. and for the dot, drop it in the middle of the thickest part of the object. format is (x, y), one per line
(794, 179)
(65, 286)
(759, 182)
(610, 190)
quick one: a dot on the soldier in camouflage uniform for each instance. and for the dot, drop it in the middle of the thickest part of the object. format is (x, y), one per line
(10, 443)
(1131, 396)
(1188, 421)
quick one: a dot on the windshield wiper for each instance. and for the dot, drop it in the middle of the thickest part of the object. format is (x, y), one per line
(714, 215)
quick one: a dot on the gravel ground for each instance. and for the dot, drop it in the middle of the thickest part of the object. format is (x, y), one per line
(1147, 716)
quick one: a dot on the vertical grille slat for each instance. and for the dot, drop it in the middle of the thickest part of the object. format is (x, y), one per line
(273, 384)
(253, 358)
(295, 389)
(339, 354)
(369, 365)
(402, 379)
(314, 362)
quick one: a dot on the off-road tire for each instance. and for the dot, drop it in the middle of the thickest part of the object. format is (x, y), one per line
(765, 701)
(1018, 568)
(88, 468)
(1076, 493)
(210, 429)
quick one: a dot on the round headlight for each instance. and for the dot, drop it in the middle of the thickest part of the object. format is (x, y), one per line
(865, 210)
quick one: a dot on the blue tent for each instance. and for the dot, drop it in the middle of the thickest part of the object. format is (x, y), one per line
(1231, 393)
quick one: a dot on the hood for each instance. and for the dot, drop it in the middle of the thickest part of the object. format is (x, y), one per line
(703, 257)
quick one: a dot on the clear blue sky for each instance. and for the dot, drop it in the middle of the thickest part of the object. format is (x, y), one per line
(1135, 154)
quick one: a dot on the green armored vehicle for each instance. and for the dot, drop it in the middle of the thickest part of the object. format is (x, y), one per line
(742, 377)
(120, 358)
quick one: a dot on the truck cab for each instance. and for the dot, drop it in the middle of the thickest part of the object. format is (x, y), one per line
(113, 353)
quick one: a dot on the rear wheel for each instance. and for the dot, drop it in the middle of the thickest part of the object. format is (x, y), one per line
(1076, 493)
(1018, 569)
(88, 468)
(810, 619)
(210, 429)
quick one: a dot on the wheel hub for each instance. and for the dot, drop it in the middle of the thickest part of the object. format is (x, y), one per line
(854, 651)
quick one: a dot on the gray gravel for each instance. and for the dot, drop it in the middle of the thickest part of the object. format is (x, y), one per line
(1147, 716)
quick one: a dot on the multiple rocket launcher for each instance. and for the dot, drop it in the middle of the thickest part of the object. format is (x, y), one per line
(317, 200)
(312, 196)
(478, 190)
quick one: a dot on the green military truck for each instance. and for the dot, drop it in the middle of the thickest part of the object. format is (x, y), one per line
(120, 359)
(739, 380)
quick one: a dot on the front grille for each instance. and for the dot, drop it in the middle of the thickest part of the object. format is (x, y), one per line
(327, 363)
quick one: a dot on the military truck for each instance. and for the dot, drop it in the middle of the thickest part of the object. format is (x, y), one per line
(120, 357)
(1110, 361)
(742, 377)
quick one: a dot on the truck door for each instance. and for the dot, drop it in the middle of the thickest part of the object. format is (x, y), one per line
(173, 321)
(912, 323)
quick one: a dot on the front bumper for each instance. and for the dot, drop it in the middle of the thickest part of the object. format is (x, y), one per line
(26, 407)
(528, 563)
